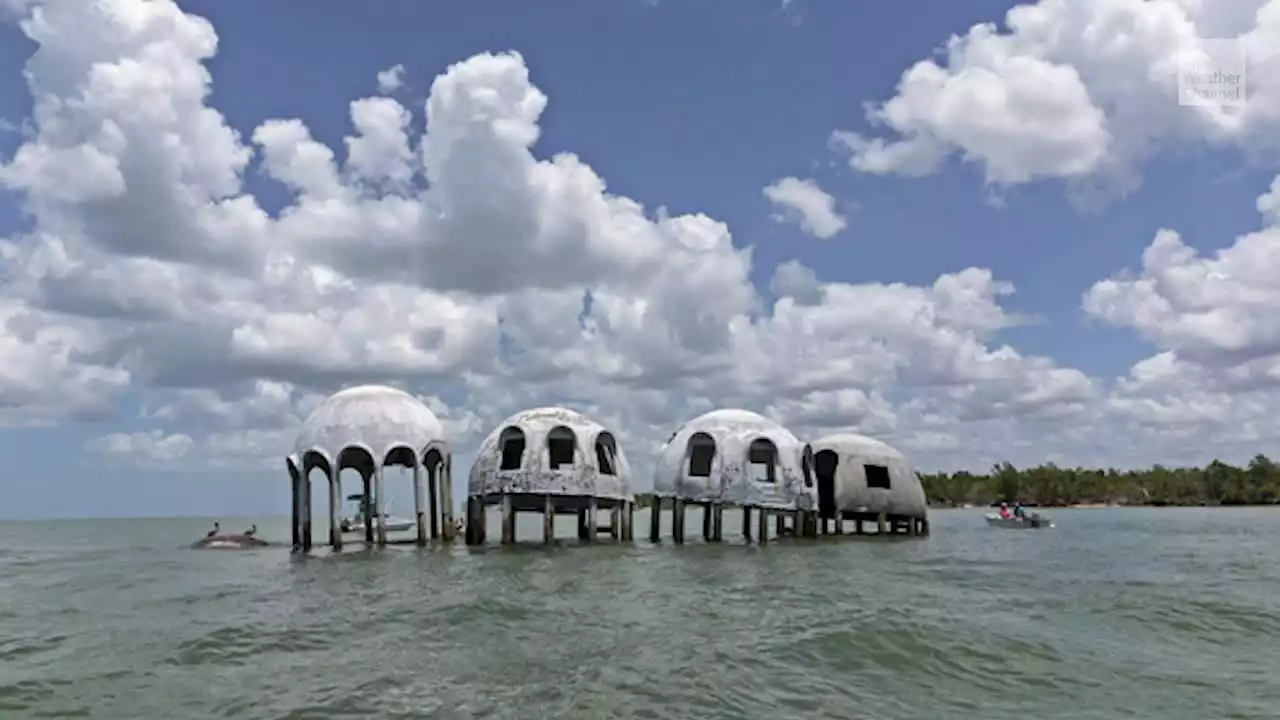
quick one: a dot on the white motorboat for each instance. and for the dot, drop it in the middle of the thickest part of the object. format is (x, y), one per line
(1032, 521)
(355, 524)
(394, 524)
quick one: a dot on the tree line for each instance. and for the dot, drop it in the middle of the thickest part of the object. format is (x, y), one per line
(1218, 483)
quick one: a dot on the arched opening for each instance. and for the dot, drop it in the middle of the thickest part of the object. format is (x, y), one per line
(762, 461)
(511, 446)
(562, 447)
(433, 470)
(606, 454)
(702, 451)
(363, 518)
(825, 464)
(400, 496)
(806, 462)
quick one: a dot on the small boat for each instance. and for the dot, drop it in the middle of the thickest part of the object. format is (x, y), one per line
(355, 524)
(1033, 521)
(394, 524)
(228, 542)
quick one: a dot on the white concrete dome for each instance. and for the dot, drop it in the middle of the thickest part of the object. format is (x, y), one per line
(375, 418)
(734, 455)
(551, 450)
(867, 476)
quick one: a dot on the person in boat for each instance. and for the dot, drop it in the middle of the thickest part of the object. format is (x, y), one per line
(216, 529)
(253, 530)
(1019, 512)
(1004, 511)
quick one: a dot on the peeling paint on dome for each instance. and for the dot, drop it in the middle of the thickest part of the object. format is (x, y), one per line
(528, 468)
(726, 475)
(905, 495)
(375, 417)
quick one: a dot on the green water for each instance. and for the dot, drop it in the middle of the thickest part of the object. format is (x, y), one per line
(1144, 613)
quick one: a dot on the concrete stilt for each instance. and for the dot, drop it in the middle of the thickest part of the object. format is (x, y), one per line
(433, 499)
(446, 501)
(335, 507)
(380, 504)
(508, 521)
(419, 511)
(295, 512)
(306, 514)
(548, 521)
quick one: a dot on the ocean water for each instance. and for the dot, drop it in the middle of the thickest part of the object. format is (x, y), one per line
(1135, 613)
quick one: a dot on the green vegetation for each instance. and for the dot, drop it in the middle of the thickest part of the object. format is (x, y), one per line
(1049, 485)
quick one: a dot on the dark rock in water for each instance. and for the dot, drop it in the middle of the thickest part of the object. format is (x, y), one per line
(228, 542)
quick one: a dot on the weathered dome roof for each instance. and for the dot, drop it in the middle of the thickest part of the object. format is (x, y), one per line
(374, 416)
(547, 418)
(904, 494)
(731, 420)
(729, 479)
(858, 445)
(533, 475)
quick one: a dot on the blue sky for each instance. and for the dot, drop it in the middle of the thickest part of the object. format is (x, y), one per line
(695, 106)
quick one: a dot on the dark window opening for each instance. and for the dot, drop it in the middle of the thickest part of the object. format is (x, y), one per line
(807, 460)
(763, 461)
(605, 454)
(702, 451)
(604, 461)
(877, 476)
(512, 449)
(561, 447)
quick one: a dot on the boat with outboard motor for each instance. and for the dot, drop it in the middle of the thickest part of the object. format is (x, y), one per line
(1030, 521)
(355, 523)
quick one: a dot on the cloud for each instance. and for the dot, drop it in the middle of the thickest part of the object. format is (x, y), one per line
(1215, 377)
(806, 204)
(1077, 91)
(464, 267)
(154, 447)
(391, 79)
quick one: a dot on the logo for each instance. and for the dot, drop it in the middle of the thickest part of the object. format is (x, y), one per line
(1212, 74)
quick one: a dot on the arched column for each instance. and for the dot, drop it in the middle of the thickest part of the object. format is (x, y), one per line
(306, 512)
(446, 496)
(335, 507)
(367, 507)
(295, 507)
(433, 497)
(419, 513)
(379, 499)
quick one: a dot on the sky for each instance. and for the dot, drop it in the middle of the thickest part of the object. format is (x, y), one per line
(980, 233)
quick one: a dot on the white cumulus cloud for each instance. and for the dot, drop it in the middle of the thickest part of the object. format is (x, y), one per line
(805, 203)
(391, 79)
(485, 278)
